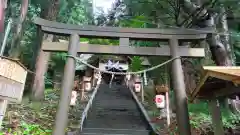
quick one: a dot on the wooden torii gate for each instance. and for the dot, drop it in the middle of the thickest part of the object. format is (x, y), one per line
(124, 35)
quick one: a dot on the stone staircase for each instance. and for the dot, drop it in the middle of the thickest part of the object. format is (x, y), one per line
(115, 112)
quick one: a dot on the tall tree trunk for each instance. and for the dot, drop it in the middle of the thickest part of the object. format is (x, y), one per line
(15, 49)
(225, 38)
(2, 3)
(3, 6)
(219, 51)
(226, 42)
(49, 11)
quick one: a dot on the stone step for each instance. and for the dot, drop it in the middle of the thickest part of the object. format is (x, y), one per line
(101, 131)
(115, 112)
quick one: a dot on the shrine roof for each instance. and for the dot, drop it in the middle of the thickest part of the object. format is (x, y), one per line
(217, 82)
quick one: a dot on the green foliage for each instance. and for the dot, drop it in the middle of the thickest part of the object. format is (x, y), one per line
(58, 60)
(235, 39)
(104, 41)
(75, 12)
(48, 82)
(27, 129)
(31, 120)
(156, 12)
(230, 120)
(201, 120)
(71, 12)
(134, 22)
(136, 64)
(199, 116)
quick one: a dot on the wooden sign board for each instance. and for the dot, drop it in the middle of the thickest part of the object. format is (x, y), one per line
(161, 88)
(12, 79)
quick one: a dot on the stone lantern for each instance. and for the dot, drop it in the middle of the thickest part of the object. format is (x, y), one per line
(137, 83)
(87, 83)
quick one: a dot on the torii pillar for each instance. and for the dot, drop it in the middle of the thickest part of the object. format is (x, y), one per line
(179, 90)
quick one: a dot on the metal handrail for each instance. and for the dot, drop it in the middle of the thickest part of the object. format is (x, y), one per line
(89, 104)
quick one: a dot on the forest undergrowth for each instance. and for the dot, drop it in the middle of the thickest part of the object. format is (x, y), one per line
(200, 118)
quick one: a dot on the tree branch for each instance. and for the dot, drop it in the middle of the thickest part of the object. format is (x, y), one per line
(197, 12)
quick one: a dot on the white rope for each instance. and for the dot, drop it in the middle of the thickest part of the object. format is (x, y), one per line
(122, 73)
